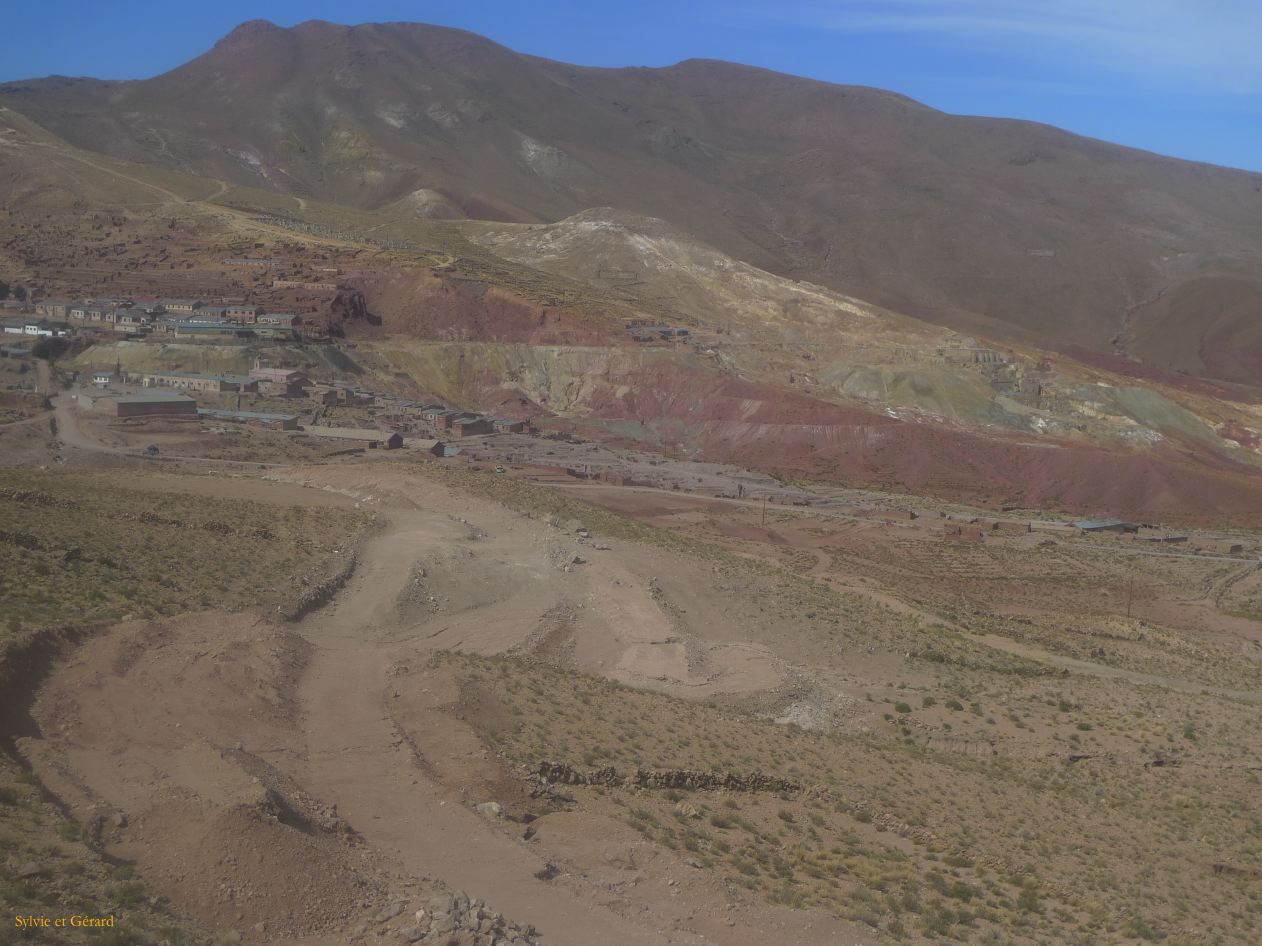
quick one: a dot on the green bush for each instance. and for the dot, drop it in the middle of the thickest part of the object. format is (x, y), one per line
(1028, 900)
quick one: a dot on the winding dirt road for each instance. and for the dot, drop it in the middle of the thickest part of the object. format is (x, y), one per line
(358, 759)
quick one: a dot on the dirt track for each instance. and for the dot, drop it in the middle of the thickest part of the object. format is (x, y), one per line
(200, 730)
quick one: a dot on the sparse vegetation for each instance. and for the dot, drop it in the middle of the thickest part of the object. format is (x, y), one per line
(981, 857)
(85, 548)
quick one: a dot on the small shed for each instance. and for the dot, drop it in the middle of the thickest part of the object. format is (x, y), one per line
(1105, 525)
(372, 439)
(149, 404)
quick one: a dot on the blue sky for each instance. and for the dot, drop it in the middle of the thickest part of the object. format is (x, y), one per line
(1181, 77)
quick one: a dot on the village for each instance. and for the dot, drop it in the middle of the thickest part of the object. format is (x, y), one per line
(351, 417)
(285, 399)
(181, 318)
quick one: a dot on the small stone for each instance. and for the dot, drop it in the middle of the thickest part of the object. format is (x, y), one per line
(388, 913)
(441, 903)
(409, 934)
(490, 809)
(685, 810)
(441, 923)
(119, 820)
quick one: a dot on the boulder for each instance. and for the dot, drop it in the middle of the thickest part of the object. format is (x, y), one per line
(390, 911)
(441, 903)
(490, 809)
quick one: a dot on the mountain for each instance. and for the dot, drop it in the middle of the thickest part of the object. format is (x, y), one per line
(779, 374)
(1007, 228)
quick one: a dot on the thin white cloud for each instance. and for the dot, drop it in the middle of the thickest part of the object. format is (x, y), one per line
(1209, 44)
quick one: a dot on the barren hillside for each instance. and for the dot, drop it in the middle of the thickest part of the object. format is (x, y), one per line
(977, 223)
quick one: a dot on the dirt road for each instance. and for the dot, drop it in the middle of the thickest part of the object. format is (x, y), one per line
(72, 434)
(357, 758)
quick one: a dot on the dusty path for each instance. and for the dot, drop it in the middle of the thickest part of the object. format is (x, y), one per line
(357, 758)
(70, 433)
(1105, 672)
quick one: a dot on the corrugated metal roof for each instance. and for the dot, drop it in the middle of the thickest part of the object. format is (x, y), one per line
(232, 378)
(348, 433)
(245, 415)
(157, 397)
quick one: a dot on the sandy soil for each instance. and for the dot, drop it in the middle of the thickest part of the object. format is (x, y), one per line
(286, 782)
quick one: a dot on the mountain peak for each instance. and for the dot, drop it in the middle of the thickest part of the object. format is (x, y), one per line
(249, 30)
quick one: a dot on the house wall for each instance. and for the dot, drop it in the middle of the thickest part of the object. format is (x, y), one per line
(147, 408)
(472, 428)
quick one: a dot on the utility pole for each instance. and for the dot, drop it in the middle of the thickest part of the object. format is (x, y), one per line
(1130, 595)
(764, 510)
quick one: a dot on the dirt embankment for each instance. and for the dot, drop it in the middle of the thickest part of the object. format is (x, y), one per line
(433, 306)
(182, 793)
(24, 664)
(673, 402)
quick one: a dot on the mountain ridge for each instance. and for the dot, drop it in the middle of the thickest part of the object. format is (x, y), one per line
(979, 224)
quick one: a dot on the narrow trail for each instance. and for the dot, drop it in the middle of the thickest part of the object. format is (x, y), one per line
(69, 432)
(357, 759)
(1105, 672)
(170, 195)
(205, 205)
